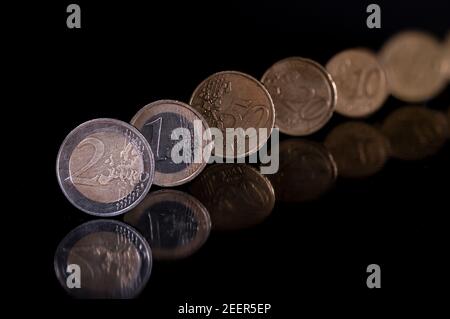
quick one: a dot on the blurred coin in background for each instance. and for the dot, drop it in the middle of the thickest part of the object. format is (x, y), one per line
(414, 66)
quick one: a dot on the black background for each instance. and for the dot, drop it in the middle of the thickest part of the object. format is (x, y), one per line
(310, 256)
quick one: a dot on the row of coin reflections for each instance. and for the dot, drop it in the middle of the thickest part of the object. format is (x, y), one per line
(237, 196)
(227, 197)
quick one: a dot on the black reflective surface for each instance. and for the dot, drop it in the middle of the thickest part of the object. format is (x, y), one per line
(307, 255)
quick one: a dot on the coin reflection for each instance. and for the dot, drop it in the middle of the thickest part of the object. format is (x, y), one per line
(359, 149)
(307, 170)
(114, 261)
(237, 196)
(175, 223)
(415, 132)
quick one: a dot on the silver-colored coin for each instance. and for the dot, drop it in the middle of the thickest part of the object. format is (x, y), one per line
(105, 167)
(174, 223)
(158, 122)
(103, 259)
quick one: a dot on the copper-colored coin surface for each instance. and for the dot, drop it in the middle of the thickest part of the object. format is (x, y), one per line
(360, 82)
(174, 223)
(359, 149)
(157, 121)
(303, 93)
(236, 195)
(447, 55)
(414, 66)
(307, 171)
(415, 132)
(233, 99)
(105, 167)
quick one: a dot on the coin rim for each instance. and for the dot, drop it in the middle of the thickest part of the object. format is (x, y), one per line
(258, 83)
(146, 146)
(205, 126)
(330, 81)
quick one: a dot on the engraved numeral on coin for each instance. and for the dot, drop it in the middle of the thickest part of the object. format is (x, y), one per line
(99, 150)
(361, 86)
(364, 80)
(156, 124)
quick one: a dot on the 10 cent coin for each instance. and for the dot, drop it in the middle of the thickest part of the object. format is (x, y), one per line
(360, 82)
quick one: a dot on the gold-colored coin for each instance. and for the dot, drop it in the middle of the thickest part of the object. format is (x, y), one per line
(447, 55)
(359, 149)
(360, 82)
(236, 195)
(303, 93)
(414, 66)
(233, 100)
(307, 171)
(415, 132)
